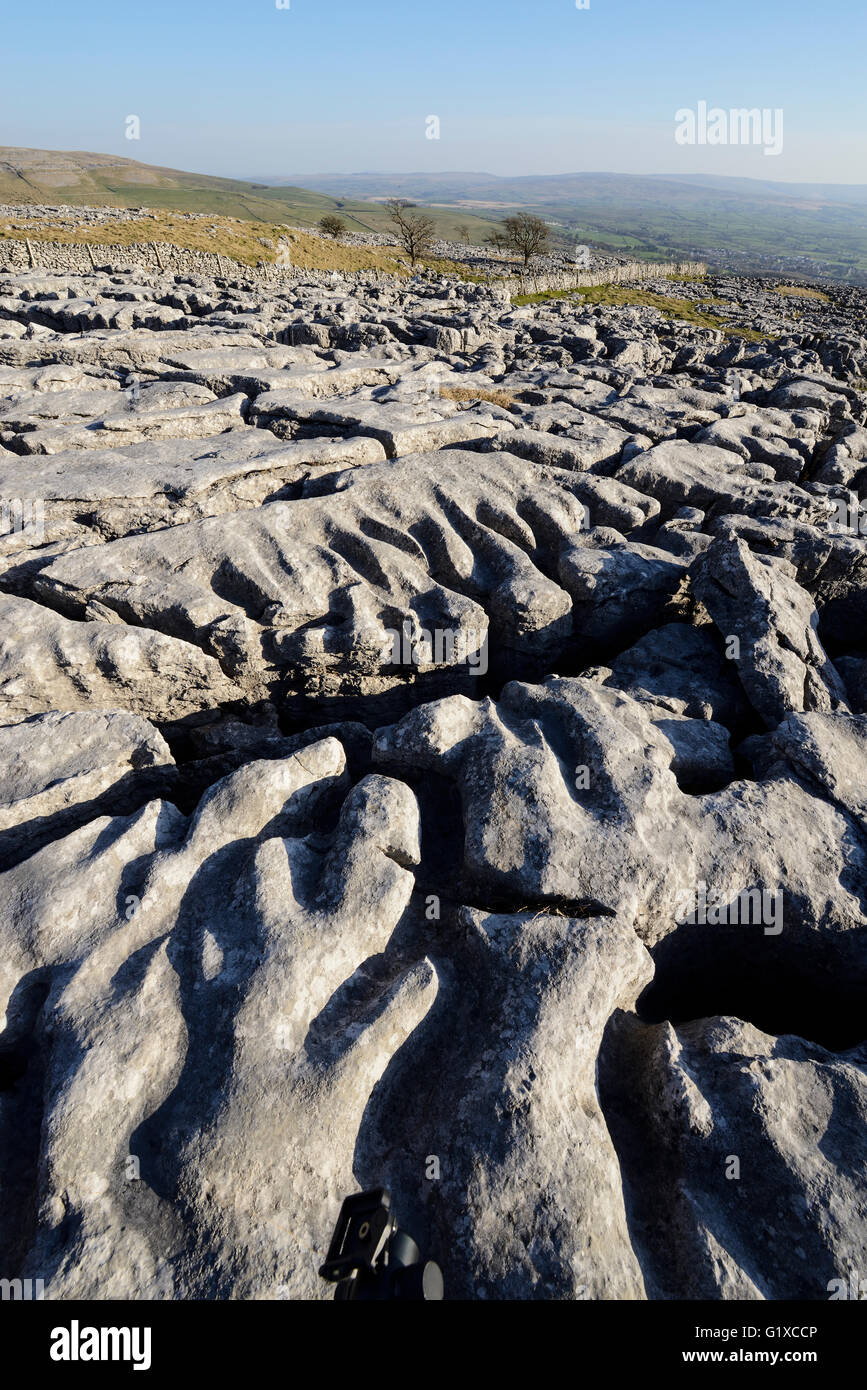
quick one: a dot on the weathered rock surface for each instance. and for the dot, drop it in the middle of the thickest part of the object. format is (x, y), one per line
(48, 662)
(755, 600)
(62, 770)
(432, 755)
(316, 589)
(742, 1156)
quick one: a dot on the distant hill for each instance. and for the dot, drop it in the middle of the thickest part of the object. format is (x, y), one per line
(77, 177)
(852, 193)
(818, 230)
(565, 187)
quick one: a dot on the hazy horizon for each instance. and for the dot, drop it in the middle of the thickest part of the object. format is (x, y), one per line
(536, 174)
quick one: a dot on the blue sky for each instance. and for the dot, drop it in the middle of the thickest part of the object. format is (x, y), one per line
(247, 89)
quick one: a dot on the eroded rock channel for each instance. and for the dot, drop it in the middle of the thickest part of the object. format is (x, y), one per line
(434, 749)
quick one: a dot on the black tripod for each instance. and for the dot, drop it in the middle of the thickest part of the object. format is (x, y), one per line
(370, 1258)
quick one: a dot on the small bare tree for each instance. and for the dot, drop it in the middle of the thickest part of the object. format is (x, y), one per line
(465, 232)
(414, 231)
(528, 235)
(498, 240)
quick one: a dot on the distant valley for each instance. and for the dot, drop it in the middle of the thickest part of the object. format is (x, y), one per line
(742, 225)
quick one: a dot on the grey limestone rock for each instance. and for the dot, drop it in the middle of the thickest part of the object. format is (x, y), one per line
(432, 755)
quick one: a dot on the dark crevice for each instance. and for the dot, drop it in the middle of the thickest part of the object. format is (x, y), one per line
(812, 986)
(124, 797)
(22, 1076)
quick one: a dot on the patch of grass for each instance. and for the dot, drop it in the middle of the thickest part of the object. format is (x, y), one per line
(620, 295)
(802, 292)
(521, 300)
(242, 241)
(751, 335)
(684, 310)
(470, 393)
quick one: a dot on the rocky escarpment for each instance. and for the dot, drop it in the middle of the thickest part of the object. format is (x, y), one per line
(433, 735)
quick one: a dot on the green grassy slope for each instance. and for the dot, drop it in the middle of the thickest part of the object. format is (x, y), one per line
(80, 178)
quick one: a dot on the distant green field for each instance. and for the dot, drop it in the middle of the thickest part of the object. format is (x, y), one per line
(746, 225)
(838, 242)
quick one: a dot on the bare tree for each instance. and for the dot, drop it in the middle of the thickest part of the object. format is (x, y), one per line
(528, 235)
(331, 225)
(465, 232)
(414, 231)
(498, 240)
